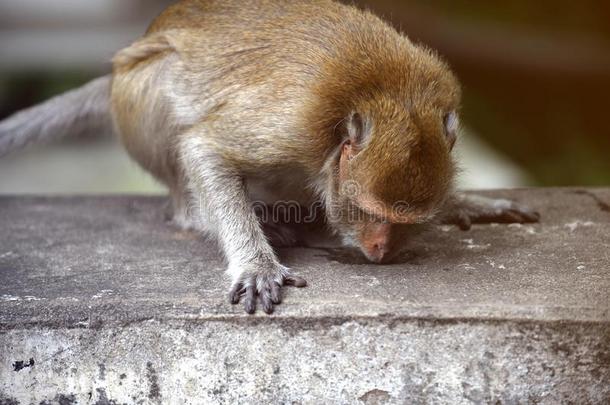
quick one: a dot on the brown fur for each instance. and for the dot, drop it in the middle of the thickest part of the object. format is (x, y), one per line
(230, 101)
(316, 61)
(271, 82)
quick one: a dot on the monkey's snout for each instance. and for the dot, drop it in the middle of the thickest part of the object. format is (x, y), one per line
(378, 252)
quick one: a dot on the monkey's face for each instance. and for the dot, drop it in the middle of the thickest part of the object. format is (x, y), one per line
(379, 234)
(391, 179)
(380, 241)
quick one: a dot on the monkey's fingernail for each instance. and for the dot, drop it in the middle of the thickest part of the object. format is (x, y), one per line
(234, 298)
(276, 294)
(250, 301)
(514, 217)
(267, 304)
(235, 294)
(529, 218)
(463, 222)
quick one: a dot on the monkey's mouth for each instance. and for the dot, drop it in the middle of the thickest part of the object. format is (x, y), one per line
(385, 258)
(355, 256)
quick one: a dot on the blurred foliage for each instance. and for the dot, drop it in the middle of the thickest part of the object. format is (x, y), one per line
(535, 74)
(568, 17)
(20, 90)
(536, 78)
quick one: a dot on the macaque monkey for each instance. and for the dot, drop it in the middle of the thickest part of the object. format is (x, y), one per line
(229, 102)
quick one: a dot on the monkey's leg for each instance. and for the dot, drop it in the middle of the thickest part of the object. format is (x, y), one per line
(223, 203)
(180, 210)
(465, 210)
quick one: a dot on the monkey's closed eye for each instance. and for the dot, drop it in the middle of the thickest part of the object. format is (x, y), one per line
(452, 123)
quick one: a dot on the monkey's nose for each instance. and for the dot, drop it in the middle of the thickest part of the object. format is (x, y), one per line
(379, 252)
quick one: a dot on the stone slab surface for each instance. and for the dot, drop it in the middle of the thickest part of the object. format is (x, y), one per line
(102, 302)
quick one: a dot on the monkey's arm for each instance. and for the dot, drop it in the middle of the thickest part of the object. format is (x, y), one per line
(221, 200)
(464, 210)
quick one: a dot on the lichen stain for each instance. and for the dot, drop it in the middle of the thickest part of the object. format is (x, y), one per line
(66, 399)
(103, 398)
(153, 379)
(60, 399)
(102, 371)
(20, 365)
(7, 400)
(375, 397)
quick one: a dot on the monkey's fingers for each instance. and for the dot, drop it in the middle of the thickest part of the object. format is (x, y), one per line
(295, 281)
(244, 288)
(529, 216)
(236, 293)
(250, 299)
(275, 293)
(269, 292)
(512, 212)
(510, 216)
(266, 299)
(249, 294)
(463, 222)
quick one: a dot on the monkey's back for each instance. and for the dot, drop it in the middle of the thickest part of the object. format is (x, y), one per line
(272, 76)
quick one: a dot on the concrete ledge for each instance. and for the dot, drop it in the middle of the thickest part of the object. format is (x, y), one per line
(101, 302)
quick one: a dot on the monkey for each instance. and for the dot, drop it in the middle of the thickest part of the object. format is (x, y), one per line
(228, 102)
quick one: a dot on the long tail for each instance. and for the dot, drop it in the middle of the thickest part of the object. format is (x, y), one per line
(85, 109)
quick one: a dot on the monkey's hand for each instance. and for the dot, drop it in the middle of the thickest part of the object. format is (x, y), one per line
(264, 282)
(465, 210)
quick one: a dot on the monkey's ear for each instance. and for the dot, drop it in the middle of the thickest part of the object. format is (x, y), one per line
(142, 49)
(452, 125)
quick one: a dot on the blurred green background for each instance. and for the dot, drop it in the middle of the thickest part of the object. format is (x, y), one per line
(536, 80)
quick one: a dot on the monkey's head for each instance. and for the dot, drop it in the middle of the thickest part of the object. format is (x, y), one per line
(387, 114)
(394, 168)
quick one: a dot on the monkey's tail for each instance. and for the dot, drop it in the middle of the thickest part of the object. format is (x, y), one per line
(83, 110)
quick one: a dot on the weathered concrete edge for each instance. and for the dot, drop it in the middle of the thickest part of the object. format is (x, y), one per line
(304, 322)
(556, 365)
(115, 313)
